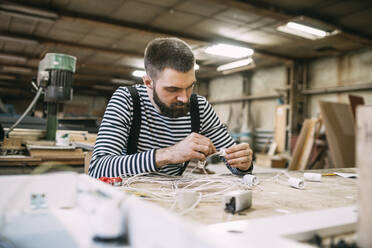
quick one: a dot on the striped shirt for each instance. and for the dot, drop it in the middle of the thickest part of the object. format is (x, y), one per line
(110, 157)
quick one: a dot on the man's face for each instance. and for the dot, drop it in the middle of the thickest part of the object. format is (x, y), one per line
(172, 91)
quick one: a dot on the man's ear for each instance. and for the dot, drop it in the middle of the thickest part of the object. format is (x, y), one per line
(147, 81)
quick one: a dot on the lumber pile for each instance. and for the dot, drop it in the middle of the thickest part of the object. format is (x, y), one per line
(42, 150)
(333, 149)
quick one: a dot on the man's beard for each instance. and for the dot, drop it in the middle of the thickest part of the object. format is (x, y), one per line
(176, 110)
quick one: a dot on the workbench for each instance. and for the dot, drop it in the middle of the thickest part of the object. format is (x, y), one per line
(205, 226)
(271, 198)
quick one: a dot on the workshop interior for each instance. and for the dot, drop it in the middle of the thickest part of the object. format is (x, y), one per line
(292, 79)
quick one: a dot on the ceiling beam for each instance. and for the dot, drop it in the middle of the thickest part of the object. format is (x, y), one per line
(143, 28)
(190, 38)
(49, 41)
(281, 14)
(100, 70)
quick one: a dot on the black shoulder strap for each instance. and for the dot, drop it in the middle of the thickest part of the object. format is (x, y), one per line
(194, 113)
(195, 122)
(136, 122)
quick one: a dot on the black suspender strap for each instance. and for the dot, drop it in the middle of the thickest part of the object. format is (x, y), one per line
(136, 122)
(194, 113)
(195, 122)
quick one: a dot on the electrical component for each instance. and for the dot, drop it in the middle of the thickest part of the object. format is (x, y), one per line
(313, 177)
(296, 183)
(250, 180)
(237, 201)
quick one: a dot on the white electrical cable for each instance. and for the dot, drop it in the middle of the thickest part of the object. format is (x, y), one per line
(211, 187)
(294, 182)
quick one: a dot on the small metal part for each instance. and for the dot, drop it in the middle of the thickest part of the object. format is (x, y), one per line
(38, 201)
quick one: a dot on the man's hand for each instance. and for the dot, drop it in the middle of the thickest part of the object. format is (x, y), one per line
(194, 146)
(239, 156)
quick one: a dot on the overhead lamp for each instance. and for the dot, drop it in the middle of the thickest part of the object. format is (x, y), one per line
(28, 12)
(139, 73)
(304, 31)
(235, 64)
(121, 81)
(18, 39)
(13, 57)
(229, 51)
(16, 69)
(196, 67)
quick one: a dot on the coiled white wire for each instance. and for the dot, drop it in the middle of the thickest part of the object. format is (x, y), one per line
(210, 188)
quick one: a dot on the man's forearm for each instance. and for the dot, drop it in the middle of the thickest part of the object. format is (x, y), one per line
(163, 157)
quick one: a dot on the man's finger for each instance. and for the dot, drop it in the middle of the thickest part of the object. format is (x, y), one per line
(202, 149)
(240, 160)
(237, 147)
(238, 154)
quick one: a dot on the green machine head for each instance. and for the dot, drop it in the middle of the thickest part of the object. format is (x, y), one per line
(55, 75)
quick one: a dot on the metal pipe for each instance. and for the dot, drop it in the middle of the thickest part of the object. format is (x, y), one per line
(338, 89)
(246, 98)
(38, 93)
(52, 121)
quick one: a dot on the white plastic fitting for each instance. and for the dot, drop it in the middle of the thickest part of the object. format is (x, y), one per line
(296, 183)
(237, 200)
(250, 180)
(313, 177)
(222, 152)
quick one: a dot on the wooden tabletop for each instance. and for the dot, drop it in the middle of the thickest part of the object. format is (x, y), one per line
(274, 197)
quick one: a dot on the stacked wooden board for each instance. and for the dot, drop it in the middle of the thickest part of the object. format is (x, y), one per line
(45, 151)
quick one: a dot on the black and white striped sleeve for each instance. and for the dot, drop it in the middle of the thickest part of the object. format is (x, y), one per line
(109, 156)
(212, 127)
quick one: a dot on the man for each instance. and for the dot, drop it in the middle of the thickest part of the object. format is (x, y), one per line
(165, 141)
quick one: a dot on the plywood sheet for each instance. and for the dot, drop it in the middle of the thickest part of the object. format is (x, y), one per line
(280, 127)
(304, 145)
(355, 101)
(339, 127)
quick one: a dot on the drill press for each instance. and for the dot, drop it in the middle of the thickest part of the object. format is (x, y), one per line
(55, 76)
(54, 79)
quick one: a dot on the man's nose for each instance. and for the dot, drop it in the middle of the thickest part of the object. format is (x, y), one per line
(183, 97)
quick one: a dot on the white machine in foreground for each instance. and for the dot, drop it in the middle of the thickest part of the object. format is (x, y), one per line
(74, 210)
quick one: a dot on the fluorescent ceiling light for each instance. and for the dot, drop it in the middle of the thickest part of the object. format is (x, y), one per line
(13, 57)
(17, 69)
(18, 39)
(303, 31)
(229, 51)
(235, 64)
(138, 73)
(121, 81)
(196, 67)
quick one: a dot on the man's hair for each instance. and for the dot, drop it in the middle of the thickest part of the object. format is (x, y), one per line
(170, 53)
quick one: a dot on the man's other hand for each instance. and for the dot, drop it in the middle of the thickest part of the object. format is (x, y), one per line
(239, 156)
(194, 146)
